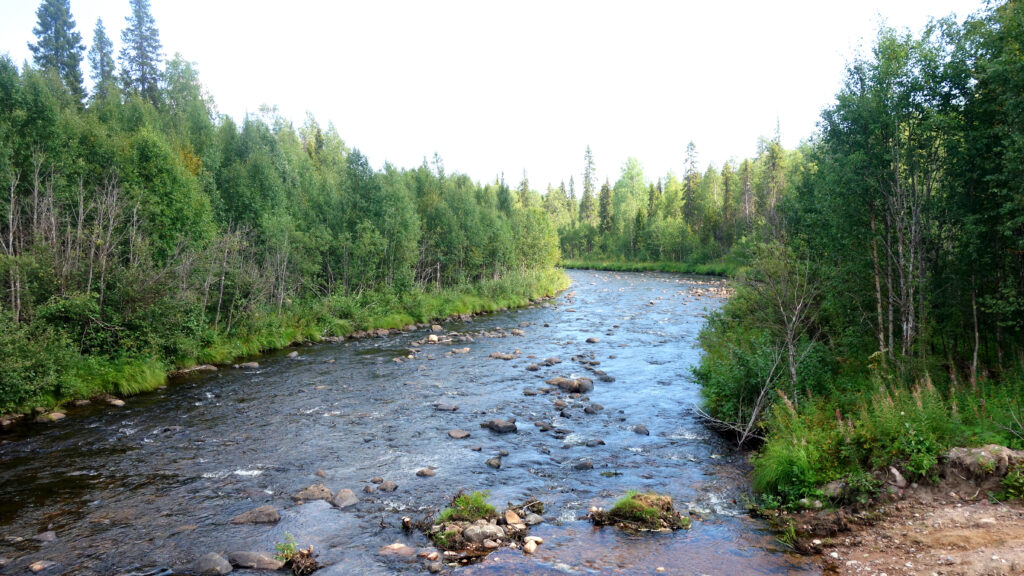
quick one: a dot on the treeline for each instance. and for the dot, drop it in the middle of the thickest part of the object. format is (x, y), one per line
(696, 219)
(881, 320)
(142, 230)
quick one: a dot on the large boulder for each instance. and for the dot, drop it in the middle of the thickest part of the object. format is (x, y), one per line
(983, 461)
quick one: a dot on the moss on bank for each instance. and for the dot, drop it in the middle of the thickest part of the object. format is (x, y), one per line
(44, 369)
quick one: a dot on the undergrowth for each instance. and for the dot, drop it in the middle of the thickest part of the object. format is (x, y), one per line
(43, 366)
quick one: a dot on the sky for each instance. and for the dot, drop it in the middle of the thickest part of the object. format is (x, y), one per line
(505, 87)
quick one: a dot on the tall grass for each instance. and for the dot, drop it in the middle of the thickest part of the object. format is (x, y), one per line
(887, 423)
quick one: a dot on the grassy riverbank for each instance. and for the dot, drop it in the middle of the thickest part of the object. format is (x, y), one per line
(723, 267)
(62, 375)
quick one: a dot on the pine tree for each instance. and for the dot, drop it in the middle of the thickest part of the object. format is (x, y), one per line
(59, 46)
(140, 52)
(101, 61)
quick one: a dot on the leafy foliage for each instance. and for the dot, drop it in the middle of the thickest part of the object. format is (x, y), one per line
(143, 231)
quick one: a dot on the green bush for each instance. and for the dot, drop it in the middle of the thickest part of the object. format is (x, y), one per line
(37, 364)
(1013, 484)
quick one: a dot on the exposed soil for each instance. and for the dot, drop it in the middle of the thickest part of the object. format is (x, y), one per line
(925, 535)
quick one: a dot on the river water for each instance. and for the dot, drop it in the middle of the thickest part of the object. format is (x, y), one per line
(156, 482)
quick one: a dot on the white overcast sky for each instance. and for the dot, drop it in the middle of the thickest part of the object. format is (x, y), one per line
(505, 87)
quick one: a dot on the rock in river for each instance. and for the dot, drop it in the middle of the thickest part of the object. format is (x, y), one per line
(500, 426)
(212, 564)
(397, 549)
(40, 565)
(344, 498)
(262, 515)
(477, 533)
(574, 385)
(387, 486)
(458, 434)
(494, 462)
(641, 429)
(314, 492)
(425, 472)
(48, 536)
(254, 561)
(533, 519)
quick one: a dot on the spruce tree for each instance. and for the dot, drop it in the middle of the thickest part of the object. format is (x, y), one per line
(605, 208)
(58, 45)
(588, 208)
(101, 61)
(140, 52)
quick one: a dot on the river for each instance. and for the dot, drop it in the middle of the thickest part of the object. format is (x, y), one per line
(155, 483)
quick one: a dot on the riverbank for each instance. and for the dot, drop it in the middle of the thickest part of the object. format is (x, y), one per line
(723, 267)
(966, 519)
(926, 536)
(83, 376)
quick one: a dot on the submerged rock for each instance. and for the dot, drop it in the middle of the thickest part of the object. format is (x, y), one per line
(533, 519)
(40, 565)
(263, 515)
(48, 536)
(397, 549)
(254, 561)
(212, 564)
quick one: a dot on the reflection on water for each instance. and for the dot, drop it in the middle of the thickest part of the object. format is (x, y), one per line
(156, 483)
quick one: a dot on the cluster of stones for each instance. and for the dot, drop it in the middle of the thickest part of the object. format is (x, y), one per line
(466, 542)
(659, 514)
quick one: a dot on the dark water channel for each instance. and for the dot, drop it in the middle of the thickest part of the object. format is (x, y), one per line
(155, 483)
